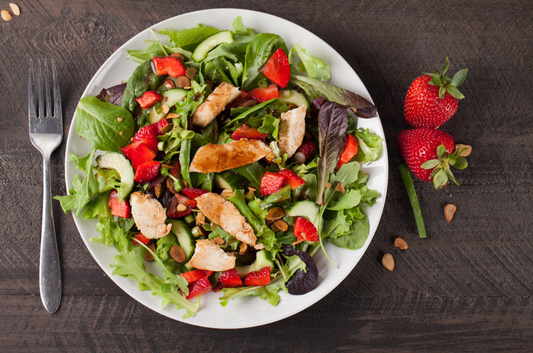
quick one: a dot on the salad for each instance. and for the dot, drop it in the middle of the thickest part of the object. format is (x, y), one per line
(228, 161)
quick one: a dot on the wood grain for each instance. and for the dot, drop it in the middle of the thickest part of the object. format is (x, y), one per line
(467, 288)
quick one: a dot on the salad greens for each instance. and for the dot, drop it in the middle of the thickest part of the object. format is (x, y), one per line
(321, 196)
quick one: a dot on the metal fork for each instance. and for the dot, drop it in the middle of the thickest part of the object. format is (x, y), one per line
(46, 133)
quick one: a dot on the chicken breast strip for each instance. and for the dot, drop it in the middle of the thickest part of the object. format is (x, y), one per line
(292, 130)
(210, 257)
(215, 103)
(224, 213)
(218, 158)
(149, 216)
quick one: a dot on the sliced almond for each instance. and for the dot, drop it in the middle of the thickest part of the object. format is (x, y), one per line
(202, 231)
(157, 189)
(388, 262)
(219, 240)
(243, 247)
(401, 243)
(259, 246)
(191, 72)
(15, 9)
(274, 214)
(172, 116)
(467, 149)
(183, 82)
(279, 226)
(148, 255)
(165, 108)
(251, 190)
(170, 84)
(340, 188)
(170, 186)
(328, 185)
(178, 56)
(449, 211)
(227, 193)
(177, 254)
(6, 15)
(181, 207)
(119, 119)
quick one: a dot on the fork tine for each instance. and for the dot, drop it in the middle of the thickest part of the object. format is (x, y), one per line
(41, 100)
(31, 96)
(57, 95)
(47, 85)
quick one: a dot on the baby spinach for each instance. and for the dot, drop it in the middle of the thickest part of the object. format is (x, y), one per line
(189, 39)
(105, 126)
(142, 80)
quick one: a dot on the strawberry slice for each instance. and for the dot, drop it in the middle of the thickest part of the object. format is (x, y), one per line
(291, 178)
(147, 172)
(264, 94)
(176, 170)
(349, 151)
(305, 230)
(140, 237)
(304, 151)
(193, 193)
(168, 66)
(271, 183)
(258, 278)
(250, 133)
(118, 208)
(244, 96)
(277, 69)
(129, 150)
(141, 155)
(177, 200)
(230, 279)
(195, 275)
(161, 126)
(148, 99)
(199, 287)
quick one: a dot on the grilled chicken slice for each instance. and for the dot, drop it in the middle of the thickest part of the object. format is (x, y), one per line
(227, 216)
(292, 130)
(149, 216)
(210, 257)
(218, 158)
(215, 104)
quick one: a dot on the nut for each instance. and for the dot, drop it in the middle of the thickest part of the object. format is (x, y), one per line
(181, 207)
(177, 254)
(401, 243)
(219, 241)
(177, 56)
(279, 226)
(172, 116)
(148, 255)
(183, 81)
(340, 188)
(227, 193)
(328, 185)
(119, 119)
(259, 246)
(165, 108)
(170, 186)
(467, 149)
(15, 9)
(201, 230)
(243, 248)
(157, 189)
(6, 15)
(190, 72)
(251, 190)
(388, 262)
(274, 213)
(170, 84)
(449, 211)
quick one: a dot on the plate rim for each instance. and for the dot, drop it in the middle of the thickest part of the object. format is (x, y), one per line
(106, 267)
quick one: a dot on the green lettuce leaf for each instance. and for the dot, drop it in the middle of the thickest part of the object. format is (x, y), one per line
(369, 146)
(240, 28)
(351, 237)
(189, 39)
(98, 207)
(315, 67)
(155, 49)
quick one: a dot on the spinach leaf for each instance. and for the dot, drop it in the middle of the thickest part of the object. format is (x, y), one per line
(105, 126)
(142, 80)
(189, 39)
(315, 88)
(240, 28)
(155, 49)
(258, 52)
(163, 253)
(355, 238)
(235, 51)
(253, 173)
(271, 107)
(315, 67)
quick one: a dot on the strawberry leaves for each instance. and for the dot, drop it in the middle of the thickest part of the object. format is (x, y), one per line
(441, 167)
(447, 84)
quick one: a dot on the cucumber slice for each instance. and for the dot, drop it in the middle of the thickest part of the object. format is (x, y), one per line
(185, 238)
(210, 42)
(263, 259)
(229, 180)
(291, 96)
(307, 209)
(116, 161)
(173, 96)
(155, 115)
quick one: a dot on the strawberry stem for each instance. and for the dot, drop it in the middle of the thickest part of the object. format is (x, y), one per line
(413, 199)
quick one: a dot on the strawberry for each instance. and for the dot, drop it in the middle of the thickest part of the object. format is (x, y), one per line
(304, 151)
(258, 278)
(349, 151)
(271, 183)
(199, 287)
(250, 133)
(193, 193)
(277, 69)
(148, 99)
(264, 94)
(129, 150)
(291, 178)
(244, 96)
(432, 99)
(161, 126)
(168, 66)
(148, 136)
(141, 155)
(118, 208)
(140, 237)
(177, 200)
(195, 275)
(305, 230)
(147, 172)
(175, 171)
(230, 279)
(429, 153)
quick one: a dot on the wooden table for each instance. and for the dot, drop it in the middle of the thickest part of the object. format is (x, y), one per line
(468, 287)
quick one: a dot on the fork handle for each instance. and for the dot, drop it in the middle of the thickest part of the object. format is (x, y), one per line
(49, 268)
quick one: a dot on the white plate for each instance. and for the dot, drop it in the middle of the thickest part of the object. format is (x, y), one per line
(243, 312)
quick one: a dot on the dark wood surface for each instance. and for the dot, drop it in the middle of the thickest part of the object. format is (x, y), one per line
(467, 288)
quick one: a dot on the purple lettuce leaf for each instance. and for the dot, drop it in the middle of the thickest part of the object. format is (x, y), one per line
(113, 94)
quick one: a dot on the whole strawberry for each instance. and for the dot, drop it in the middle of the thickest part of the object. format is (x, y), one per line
(432, 99)
(429, 153)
